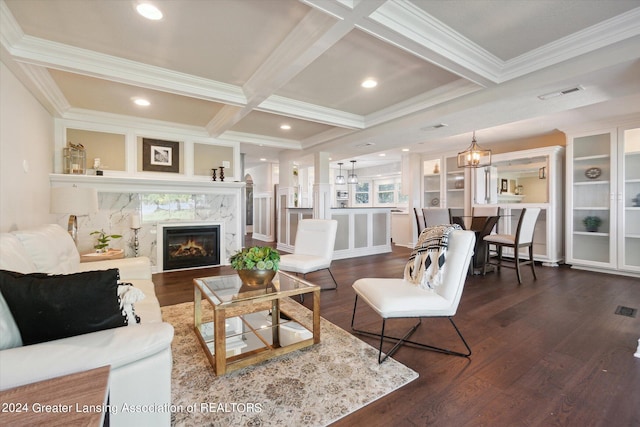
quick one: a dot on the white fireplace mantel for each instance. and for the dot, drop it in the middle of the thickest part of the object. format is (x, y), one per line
(136, 184)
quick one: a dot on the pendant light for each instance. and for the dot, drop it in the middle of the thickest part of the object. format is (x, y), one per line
(353, 178)
(474, 156)
(340, 178)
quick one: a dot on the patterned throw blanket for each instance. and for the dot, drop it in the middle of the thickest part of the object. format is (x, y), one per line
(426, 263)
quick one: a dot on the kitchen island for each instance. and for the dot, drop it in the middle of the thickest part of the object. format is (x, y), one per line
(361, 231)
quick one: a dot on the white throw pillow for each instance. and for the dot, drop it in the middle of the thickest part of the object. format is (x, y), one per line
(9, 333)
(13, 255)
(51, 248)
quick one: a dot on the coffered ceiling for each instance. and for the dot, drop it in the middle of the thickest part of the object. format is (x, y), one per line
(239, 69)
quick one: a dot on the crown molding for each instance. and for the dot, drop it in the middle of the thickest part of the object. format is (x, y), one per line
(606, 33)
(117, 120)
(303, 110)
(47, 87)
(436, 42)
(267, 141)
(33, 50)
(440, 95)
(325, 136)
(10, 31)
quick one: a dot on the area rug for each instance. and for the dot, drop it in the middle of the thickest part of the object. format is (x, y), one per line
(314, 386)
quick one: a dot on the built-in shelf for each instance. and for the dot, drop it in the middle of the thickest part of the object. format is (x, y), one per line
(136, 184)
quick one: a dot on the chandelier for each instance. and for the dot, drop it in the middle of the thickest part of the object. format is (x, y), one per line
(474, 156)
(353, 178)
(340, 178)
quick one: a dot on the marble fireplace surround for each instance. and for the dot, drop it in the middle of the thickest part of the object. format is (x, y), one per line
(119, 199)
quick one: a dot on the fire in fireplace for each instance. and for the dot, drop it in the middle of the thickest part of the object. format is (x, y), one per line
(191, 246)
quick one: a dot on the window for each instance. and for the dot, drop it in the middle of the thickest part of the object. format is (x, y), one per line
(164, 207)
(362, 193)
(388, 193)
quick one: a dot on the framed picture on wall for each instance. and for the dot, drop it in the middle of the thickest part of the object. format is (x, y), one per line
(160, 156)
(504, 186)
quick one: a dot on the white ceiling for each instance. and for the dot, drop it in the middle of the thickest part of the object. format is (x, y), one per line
(238, 69)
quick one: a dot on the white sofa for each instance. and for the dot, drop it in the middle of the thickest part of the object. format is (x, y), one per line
(139, 356)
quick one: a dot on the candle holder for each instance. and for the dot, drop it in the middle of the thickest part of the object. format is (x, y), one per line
(213, 174)
(221, 173)
(136, 241)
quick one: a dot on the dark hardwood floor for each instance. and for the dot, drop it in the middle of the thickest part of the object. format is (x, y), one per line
(550, 352)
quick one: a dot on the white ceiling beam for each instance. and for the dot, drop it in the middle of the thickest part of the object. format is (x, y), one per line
(313, 36)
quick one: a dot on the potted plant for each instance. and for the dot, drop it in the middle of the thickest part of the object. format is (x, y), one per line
(256, 265)
(592, 223)
(103, 240)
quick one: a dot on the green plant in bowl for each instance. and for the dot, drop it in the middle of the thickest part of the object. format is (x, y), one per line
(256, 265)
(103, 240)
(592, 223)
(256, 258)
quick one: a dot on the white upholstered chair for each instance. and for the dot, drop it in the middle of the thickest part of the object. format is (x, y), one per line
(313, 249)
(487, 210)
(435, 216)
(523, 238)
(397, 298)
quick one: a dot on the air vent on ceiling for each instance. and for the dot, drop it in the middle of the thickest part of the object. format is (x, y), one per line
(366, 144)
(436, 126)
(561, 92)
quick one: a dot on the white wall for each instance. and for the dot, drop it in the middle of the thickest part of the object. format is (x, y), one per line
(26, 153)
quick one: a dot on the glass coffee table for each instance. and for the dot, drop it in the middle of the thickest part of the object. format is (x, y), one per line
(239, 325)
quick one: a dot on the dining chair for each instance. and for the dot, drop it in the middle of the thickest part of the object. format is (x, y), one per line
(523, 238)
(394, 298)
(313, 248)
(435, 216)
(419, 220)
(488, 210)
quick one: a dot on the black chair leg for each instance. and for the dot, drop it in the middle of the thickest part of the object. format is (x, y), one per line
(516, 254)
(405, 340)
(334, 282)
(533, 264)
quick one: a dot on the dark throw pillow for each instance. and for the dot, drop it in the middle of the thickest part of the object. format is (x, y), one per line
(49, 307)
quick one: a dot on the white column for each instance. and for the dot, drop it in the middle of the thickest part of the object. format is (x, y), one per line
(321, 187)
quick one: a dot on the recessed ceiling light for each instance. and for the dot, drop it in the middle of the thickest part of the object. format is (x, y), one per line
(382, 155)
(369, 83)
(285, 127)
(149, 11)
(263, 159)
(405, 149)
(141, 102)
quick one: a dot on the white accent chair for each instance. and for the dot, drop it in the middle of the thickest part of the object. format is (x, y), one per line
(522, 239)
(313, 249)
(397, 298)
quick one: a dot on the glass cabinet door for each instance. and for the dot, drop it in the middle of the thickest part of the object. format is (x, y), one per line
(593, 186)
(454, 186)
(630, 221)
(432, 173)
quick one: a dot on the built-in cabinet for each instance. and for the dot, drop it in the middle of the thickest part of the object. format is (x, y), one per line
(603, 194)
(443, 184)
(521, 179)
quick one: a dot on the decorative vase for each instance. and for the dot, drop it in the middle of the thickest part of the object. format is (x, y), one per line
(256, 277)
(592, 228)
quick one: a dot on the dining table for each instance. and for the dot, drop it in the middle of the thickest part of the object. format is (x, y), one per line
(482, 226)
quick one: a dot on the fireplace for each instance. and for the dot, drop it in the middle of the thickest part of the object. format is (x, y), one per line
(190, 246)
